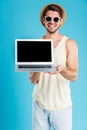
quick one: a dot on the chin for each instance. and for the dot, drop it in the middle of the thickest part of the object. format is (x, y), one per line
(52, 31)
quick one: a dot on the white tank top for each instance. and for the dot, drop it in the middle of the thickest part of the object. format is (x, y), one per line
(53, 91)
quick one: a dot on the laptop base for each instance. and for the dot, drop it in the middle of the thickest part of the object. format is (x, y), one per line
(36, 68)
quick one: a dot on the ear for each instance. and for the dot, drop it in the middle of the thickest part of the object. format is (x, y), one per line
(43, 20)
(61, 21)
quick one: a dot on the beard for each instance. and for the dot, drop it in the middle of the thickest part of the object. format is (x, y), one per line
(51, 32)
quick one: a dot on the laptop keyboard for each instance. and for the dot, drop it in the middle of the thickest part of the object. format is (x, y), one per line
(34, 66)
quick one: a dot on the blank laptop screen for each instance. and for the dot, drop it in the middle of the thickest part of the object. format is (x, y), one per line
(34, 51)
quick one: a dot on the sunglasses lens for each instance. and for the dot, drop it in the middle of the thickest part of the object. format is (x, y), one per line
(56, 19)
(48, 19)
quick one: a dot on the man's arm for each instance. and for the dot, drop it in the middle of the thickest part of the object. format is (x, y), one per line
(71, 70)
(34, 77)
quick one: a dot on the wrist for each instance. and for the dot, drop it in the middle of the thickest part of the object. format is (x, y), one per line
(60, 68)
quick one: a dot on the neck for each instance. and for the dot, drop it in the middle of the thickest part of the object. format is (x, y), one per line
(52, 36)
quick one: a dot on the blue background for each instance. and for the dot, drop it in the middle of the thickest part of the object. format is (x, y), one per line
(20, 19)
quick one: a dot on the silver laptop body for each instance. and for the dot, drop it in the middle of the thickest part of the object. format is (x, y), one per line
(34, 55)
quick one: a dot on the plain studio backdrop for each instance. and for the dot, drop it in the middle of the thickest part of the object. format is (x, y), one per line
(20, 19)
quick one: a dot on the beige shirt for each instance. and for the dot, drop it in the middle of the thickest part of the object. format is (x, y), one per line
(53, 91)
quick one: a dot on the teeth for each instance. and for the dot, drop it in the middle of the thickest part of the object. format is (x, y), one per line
(51, 26)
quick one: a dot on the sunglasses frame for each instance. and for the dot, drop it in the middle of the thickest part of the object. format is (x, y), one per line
(58, 20)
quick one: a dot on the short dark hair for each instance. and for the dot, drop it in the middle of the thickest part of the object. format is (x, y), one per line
(53, 7)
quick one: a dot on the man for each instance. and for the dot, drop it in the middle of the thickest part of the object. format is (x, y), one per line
(52, 105)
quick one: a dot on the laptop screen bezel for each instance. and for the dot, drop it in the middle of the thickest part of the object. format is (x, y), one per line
(33, 63)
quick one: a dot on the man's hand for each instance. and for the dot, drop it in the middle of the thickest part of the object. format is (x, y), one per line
(59, 69)
(34, 77)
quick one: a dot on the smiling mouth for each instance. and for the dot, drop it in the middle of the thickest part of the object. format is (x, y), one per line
(51, 26)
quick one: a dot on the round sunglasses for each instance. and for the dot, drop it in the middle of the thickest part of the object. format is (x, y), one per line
(48, 19)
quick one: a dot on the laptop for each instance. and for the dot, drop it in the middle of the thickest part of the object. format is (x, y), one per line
(34, 55)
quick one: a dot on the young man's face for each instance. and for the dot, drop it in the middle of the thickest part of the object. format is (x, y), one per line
(52, 21)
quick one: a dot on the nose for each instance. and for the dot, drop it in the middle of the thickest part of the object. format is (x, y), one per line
(52, 20)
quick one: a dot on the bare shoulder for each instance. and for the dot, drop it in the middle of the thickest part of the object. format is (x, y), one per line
(71, 45)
